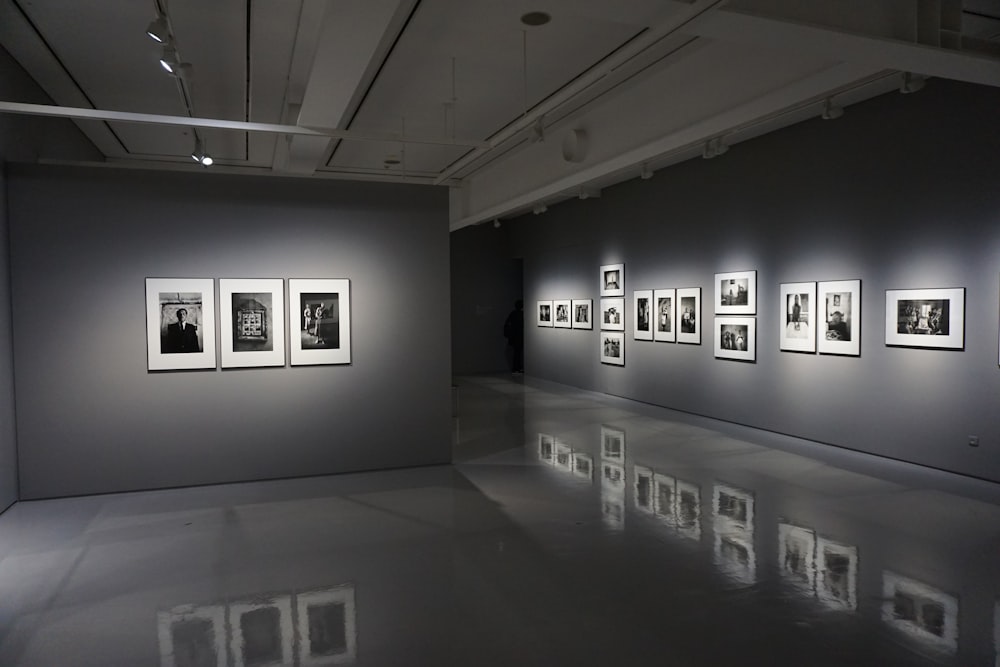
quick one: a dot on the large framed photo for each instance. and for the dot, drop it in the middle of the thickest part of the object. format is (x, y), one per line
(544, 309)
(736, 293)
(665, 308)
(736, 338)
(933, 318)
(561, 310)
(798, 317)
(613, 314)
(613, 280)
(642, 302)
(689, 315)
(252, 321)
(613, 348)
(839, 330)
(180, 323)
(327, 340)
(583, 313)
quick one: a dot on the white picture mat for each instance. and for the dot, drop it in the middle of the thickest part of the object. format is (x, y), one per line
(273, 357)
(619, 307)
(671, 317)
(215, 615)
(723, 292)
(608, 340)
(287, 633)
(338, 595)
(689, 337)
(608, 289)
(826, 294)
(588, 321)
(156, 359)
(750, 353)
(540, 313)
(342, 287)
(803, 337)
(645, 296)
(954, 340)
(565, 303)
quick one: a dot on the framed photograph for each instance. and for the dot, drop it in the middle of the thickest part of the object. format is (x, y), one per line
(613, 348)
(736, 338)
(180, 323)
(193, 635)
(920, 610)
(613, 280)
(612, 445)
(583, 313)
(736, 293)
(797, 555)
(665, 307)
(328, 339)
(613, 314)
(545, 313)
(797, 328)
(642, 306)
(837, 574)
(839, 332)
(933, 318)
(689, 315)
(262, 632)
(561, 314)
(252, 322)
(326, 627)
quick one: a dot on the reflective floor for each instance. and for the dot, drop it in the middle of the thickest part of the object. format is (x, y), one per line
(576, 529)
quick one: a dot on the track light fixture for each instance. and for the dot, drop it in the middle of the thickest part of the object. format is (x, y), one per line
(714, 148)
(496, 223)
(169, 60)
(911, 83)
(541, 208)
(645, 173)
(831, 111)
(158, 30)
(199, 155)
(537, 131)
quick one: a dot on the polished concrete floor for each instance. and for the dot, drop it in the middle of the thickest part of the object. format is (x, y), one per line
(575, 529)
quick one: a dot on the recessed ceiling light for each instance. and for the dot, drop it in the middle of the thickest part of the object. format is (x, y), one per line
(535, 18)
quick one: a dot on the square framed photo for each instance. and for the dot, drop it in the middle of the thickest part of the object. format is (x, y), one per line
(328, 337)
(613, 280)
(642, 307)
(839, 324)
(665, 308)
(929, 318)
(583, 313)
(252, 322)
(544, 310)
(689, 315)
(797, 328)
(736, 293)
(180, 323)
(561, 314)
(613, 314)
(613, 348)
(736, 338)
(326, 626)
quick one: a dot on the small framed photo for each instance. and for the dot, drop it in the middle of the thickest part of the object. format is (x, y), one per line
(613, 280)
(689, 315)
(187, 631)
(839, 331)
(642, 303)
(736, 338)
(180, 323)
(665, 308)
(328, 337)
(613, 314)
(326, 627)
(798, 317)
(545, 313)
(561, 311)
(252, 320)
(929, 318)
(583, 313)
(262, 632)
(736, 293)
(612, 348)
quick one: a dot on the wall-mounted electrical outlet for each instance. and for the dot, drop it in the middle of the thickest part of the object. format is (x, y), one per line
(973, 441)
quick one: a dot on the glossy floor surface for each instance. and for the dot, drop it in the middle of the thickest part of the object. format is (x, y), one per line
(575, 529)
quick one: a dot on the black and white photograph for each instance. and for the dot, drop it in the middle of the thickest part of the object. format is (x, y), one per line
(736, 338)
(839, 332)
(613, 314)
(642, 306)
(797, 325)
(545, 314)
(929, 318)
(613, 444)
(837, 574)
(326, 626)
(922, 611)
(262, 632)
(180, 324)
(736, 293)
(797, 556)
(689, 315)
(561, 314)
(252, 321)
(190, 635)
(665, 307)
(323, 334)
(613, 280)
(583, 310)
(612, 348)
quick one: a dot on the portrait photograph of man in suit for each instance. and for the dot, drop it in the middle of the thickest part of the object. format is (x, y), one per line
(180, 335)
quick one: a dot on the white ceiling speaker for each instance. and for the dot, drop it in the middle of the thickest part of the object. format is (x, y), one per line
(574, 146)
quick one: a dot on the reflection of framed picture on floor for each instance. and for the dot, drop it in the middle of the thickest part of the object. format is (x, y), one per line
(933, 318)
(180, 323)
(839, 317)
(327, 339)
(797, 327)
(262, 632)
(736, 338)
(192, 635)
(252, 320)
(327, 627)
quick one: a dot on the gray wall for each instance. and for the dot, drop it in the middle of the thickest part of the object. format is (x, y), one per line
(92, 419)
(8, 434)
(901, 193)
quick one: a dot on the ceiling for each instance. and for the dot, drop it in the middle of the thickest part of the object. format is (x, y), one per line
(465, 94)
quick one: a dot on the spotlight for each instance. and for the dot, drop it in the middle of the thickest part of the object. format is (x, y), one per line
(199, 155)
(645, 173)
(158, 30)
(831, 111)
(169, 60)
(911, 83)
